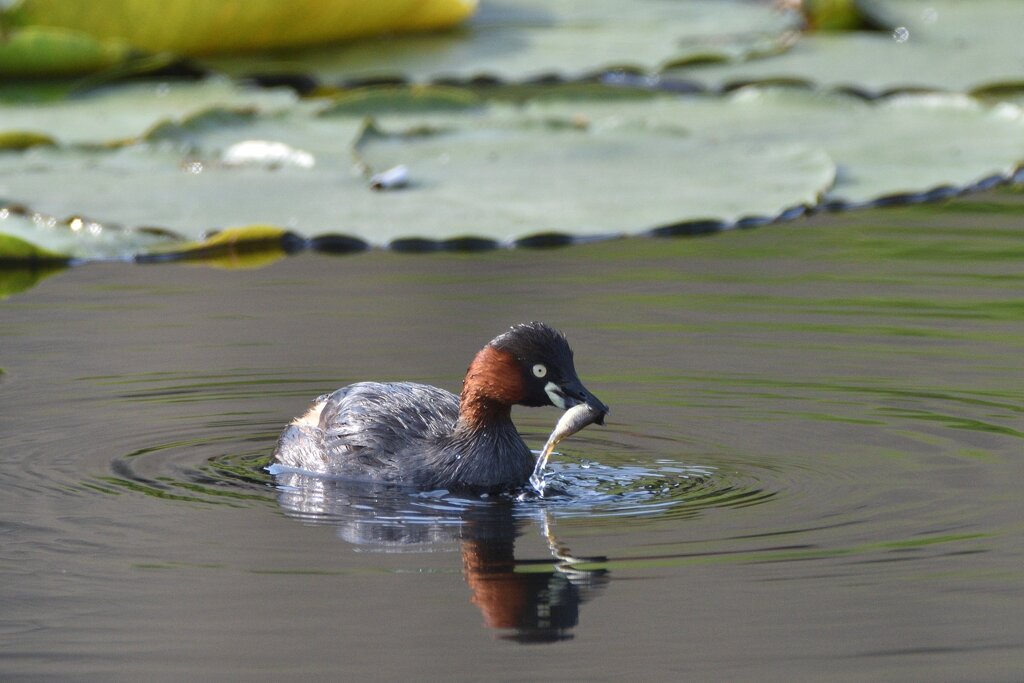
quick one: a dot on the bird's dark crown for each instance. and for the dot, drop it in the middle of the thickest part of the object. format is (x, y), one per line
(533, 342)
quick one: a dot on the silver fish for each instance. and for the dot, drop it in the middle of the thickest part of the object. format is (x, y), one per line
(572, 421)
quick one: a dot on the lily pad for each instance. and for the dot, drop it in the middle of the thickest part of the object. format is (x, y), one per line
(527, 39)
(34, 52)
(937, 44)
(250, 246)
(193, 27)
(486, 175)
(502, 173)
(511, 182)
(844, 15)
(899, 145)
(30, 236)
(124, 113)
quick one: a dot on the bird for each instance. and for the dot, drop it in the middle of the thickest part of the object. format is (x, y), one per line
(417, 435)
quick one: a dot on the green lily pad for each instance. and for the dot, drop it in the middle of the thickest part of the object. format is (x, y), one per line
(511, 182)
(579, 166)
(250, 246)
(843, 15)
(903, 144)
(36, 51)
(403, 100)
(195, 27)
(526, 39)
(22, 140)
(937, 44)
(37, 237)
(124, 113)
(486, 175)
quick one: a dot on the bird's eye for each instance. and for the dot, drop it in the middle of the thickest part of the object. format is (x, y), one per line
(539, 370)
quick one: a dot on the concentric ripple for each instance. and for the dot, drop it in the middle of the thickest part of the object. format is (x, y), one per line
(198, 456)
(192, 471)
(211, 441)
(583, 487)
(609, 491)
(231, 468)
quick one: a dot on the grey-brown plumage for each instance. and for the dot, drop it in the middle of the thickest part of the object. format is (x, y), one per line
(405, 433)
(419, 435)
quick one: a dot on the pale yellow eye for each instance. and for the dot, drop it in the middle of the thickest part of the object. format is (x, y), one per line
(539, 370)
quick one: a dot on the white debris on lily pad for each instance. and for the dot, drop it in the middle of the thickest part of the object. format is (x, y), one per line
(392, 179)
(267, 154)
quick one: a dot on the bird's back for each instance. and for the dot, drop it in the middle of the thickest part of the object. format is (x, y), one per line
(370, 430)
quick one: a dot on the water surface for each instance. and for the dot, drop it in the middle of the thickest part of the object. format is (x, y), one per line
(812, 466)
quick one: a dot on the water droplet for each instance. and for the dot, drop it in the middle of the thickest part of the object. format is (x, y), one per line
(901, 34)
(194, 167)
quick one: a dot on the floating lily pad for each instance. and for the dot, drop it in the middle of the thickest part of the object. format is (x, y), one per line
(38, 237)
(250, 246)
(898, 145)
(22, 140)
(844, 15)
(526, 39)
(194, 27)
(937, 44)
(43, 51)
(487, 176)
(124, 113)
(403, 100)
(512, 182)
(501, 173)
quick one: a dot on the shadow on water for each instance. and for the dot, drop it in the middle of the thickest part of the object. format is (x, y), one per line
(530, 600)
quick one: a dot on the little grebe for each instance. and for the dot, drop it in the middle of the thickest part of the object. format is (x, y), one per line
(419, 435)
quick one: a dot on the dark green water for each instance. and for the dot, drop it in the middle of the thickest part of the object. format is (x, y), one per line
(813, 468)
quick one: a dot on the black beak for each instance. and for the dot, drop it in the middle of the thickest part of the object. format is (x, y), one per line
(575, 393)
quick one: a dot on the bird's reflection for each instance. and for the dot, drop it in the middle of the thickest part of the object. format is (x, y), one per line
(529, 601)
